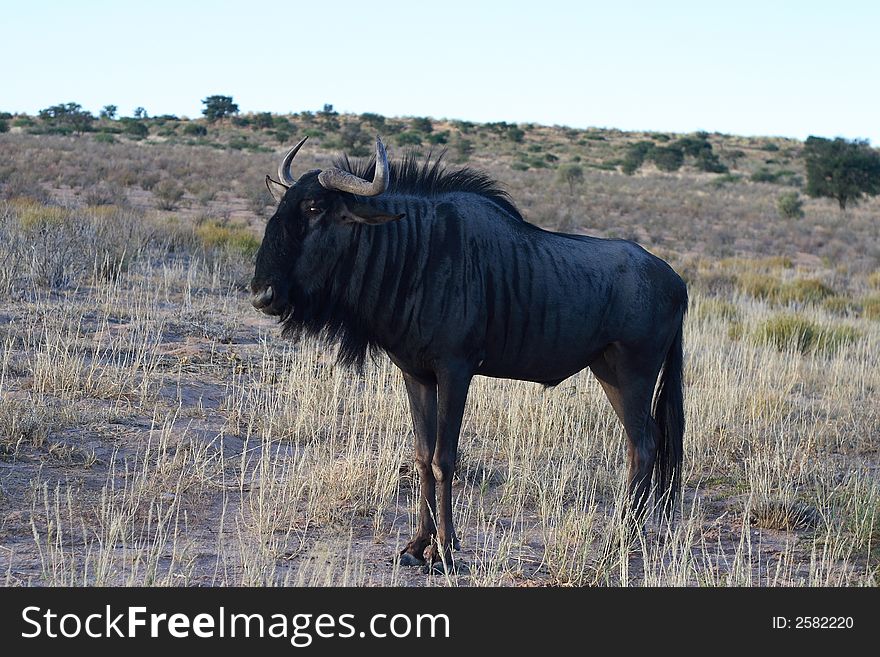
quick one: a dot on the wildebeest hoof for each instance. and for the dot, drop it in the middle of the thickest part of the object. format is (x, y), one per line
(439, 568)
(409, 559)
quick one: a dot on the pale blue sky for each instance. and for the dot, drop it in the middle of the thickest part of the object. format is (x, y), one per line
(741, 67)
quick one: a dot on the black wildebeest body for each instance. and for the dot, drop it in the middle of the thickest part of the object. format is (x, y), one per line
(441, 272)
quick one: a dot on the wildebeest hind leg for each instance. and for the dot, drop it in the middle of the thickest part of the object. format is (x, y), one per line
(628, 382)
(423, 407)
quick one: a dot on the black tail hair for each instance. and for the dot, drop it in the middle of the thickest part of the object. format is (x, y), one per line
(669, 415)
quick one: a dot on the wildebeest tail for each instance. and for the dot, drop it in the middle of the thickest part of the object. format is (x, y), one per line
(669, 415)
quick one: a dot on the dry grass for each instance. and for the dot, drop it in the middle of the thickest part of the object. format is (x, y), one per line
(155, 430)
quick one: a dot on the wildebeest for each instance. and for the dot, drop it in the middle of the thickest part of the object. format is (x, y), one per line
(439, 270)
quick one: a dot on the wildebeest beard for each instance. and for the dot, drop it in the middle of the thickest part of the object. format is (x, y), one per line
(320, 316)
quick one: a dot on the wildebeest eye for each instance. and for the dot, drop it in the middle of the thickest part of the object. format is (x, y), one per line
(312, 208)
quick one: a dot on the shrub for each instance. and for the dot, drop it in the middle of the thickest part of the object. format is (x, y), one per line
(375, 120)
(790, 205)
(134, 128)
(635, 156)
(438, 137)
(871, 307)
(409, 138)
(764, 175)
(421, 124)
(707, 161)
(168, 194)
(263, 120)
(726, 178)
(759, 286)
(217, 235)
(195, 130)
(798, 333)
(807, 290)
(105, 138)
(667, 158)
(4, 126)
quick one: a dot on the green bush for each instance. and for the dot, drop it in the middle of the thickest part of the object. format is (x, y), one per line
(707, 161)
(4, 126)
(195, 130)
(764, 175)
(798, 333)
(103, 138)
(421, 124)
(134, 128)
(438, 137)
(667, 158)
(635, 156)
(409, 138)
(218, 235)
(375, 120)
(790, 205)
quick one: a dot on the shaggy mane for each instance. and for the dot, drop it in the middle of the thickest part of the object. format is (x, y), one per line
(430, 177)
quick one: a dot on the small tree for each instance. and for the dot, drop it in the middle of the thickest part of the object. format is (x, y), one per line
(841, 169)
(572, 174)
(108, 112)
(67, 117)
(218, 108)
(140, 113)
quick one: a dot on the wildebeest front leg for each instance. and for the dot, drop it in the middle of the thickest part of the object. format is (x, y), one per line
(423, 407)
(452, 389)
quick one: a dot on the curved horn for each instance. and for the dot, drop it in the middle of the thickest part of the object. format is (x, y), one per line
(284, 168)
(343, 181)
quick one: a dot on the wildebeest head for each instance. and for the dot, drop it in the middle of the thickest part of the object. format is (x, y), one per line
(315, 222)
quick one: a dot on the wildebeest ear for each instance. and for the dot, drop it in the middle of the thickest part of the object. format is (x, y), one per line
(276, 189)
(364, 214)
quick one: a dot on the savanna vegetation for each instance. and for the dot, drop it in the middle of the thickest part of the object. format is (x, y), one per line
(155, 429)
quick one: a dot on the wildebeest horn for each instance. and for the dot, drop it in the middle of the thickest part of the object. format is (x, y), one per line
(343, 181)
(284, 168)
